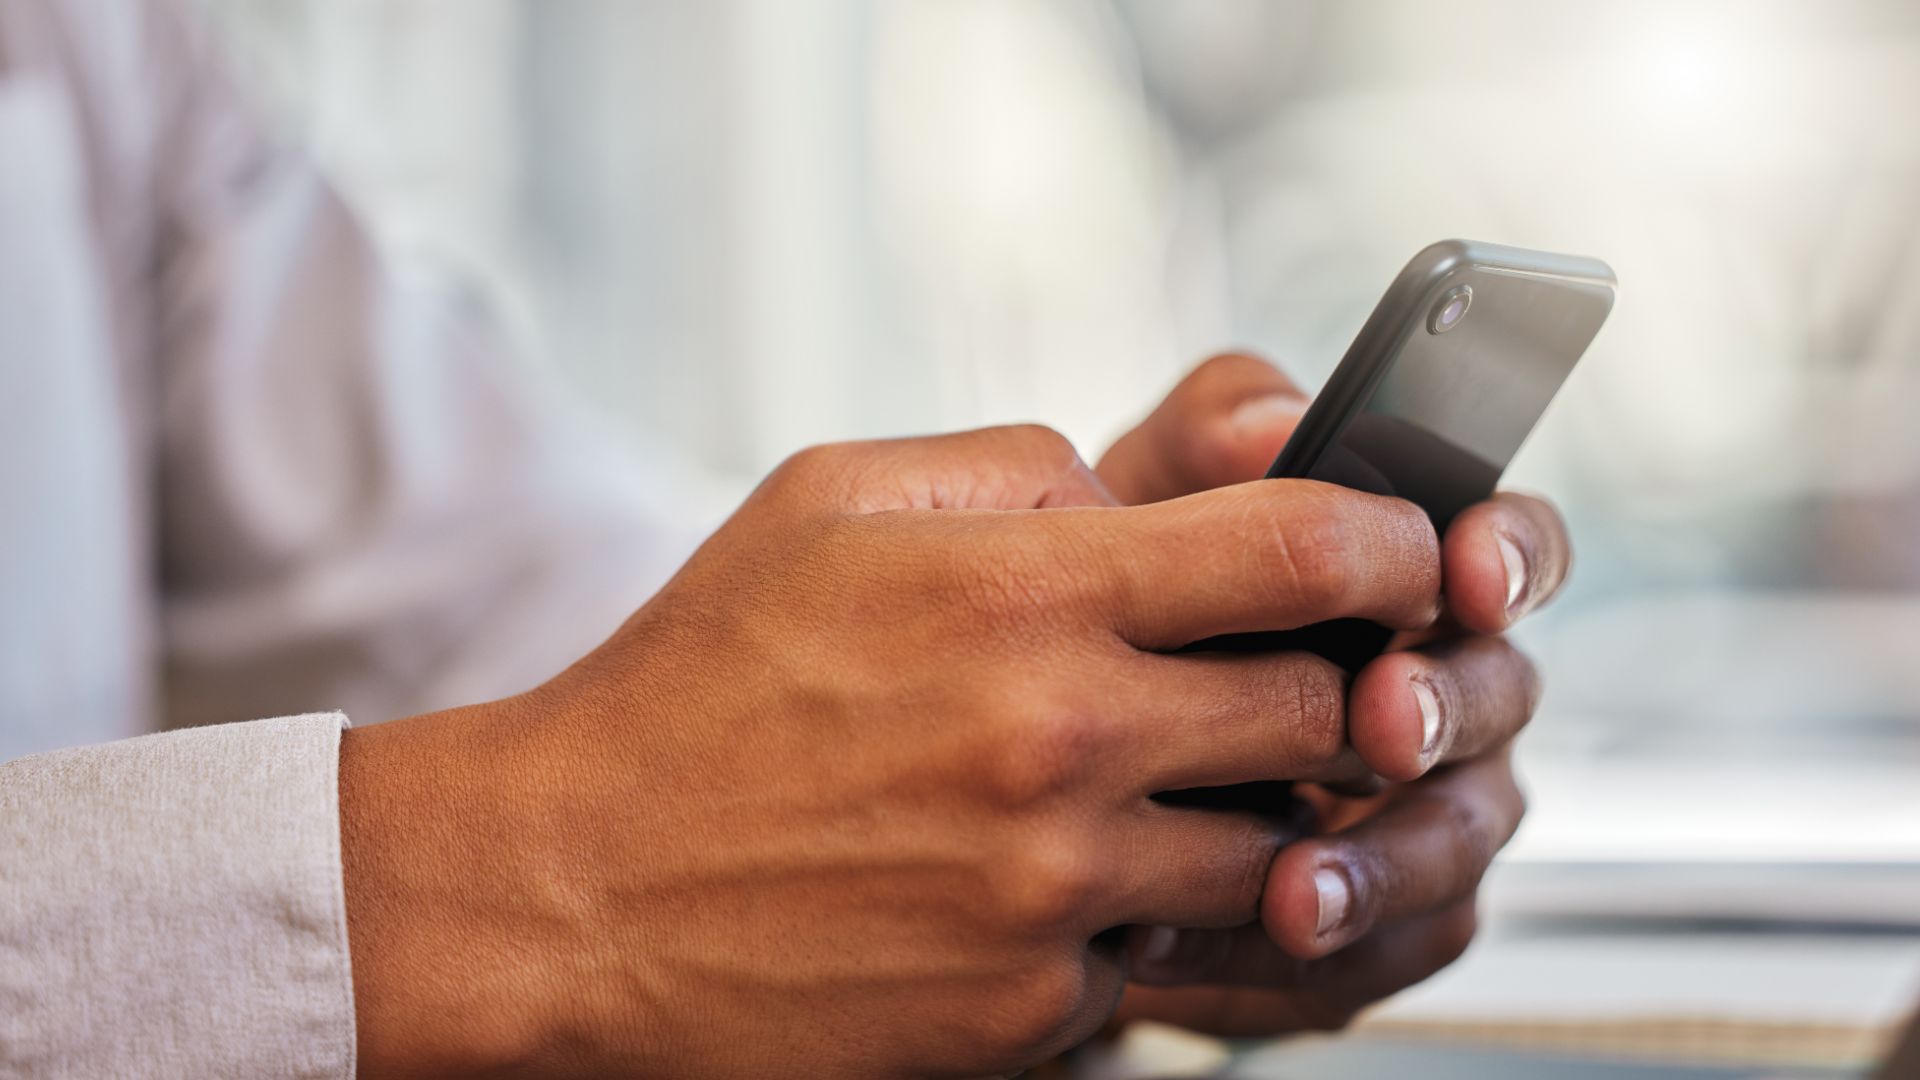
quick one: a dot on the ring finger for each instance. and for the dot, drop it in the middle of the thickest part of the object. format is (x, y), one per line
(1427, 847)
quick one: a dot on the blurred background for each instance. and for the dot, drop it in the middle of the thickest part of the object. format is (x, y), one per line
(750, 225)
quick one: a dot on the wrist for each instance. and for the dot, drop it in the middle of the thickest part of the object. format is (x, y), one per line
(455, 939)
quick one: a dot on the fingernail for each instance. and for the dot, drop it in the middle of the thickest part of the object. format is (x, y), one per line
(1429, 703)
(1515, 563)
(1331, 885)
(1160, 943)
(1262, 415)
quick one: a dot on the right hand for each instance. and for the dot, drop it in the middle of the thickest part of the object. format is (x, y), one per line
(862, 789)
(1382, 894)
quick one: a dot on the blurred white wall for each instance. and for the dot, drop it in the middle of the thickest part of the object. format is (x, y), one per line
(753, 225)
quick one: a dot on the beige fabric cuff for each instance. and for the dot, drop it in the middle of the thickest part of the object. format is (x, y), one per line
(172, 906)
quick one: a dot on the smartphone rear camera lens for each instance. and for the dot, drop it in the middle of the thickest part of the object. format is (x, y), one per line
(1450, 310)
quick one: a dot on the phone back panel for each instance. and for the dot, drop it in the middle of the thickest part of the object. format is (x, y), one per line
(1434, 412)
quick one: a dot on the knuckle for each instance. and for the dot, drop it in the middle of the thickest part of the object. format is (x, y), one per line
(1049, 884)
(1246, 872)
(1040, 1009)
(1404, 531)
(811, 469)
(1310, 554)
(1427, 549)
(1046, 756)
(1455, 935)
(815, 460)
(1319, 690)
(1475, 839)
(1410, 534)
(1039, 450)
(1508, 803)
(1047, 445)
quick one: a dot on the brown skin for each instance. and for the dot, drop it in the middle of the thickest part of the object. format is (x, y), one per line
(1412, 854)
(857, 792)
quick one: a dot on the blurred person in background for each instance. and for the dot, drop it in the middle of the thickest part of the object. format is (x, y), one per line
(864, 789)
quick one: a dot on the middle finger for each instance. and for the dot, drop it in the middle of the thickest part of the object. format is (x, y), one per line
(1454, 700)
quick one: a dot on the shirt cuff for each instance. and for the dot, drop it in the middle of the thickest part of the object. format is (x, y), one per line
(173, 905)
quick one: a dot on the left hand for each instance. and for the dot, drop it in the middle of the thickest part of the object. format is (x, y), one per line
(1382, 894)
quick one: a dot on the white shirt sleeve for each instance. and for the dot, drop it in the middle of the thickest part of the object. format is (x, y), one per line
(171, 906)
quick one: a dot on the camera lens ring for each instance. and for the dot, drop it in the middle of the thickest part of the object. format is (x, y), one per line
(1450, 310)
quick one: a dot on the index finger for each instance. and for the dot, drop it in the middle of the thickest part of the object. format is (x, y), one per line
(1266, 555)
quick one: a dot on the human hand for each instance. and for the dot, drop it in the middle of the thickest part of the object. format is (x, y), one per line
(1399, 868)
(864, 789)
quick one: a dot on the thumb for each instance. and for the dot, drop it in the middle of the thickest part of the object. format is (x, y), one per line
(1222, 425)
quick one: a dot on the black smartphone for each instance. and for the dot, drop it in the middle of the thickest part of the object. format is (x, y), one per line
(1434, 397)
